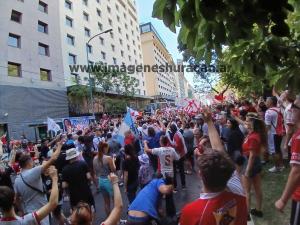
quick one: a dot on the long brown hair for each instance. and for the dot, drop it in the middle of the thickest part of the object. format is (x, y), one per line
(82, 214)
(260, 128)
(101, 148)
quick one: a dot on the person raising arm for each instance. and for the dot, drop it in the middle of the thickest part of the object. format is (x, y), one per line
(7, 197)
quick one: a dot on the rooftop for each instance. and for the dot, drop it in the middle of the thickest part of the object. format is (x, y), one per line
(148, 27)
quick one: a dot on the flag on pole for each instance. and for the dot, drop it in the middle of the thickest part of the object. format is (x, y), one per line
(52, 125)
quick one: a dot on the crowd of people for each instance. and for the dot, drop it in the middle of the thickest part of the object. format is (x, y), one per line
(226, 144)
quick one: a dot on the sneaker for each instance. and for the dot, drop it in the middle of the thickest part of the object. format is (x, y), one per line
(123, 221)
(121, 184)
(256, 213)
(281, 168)
(274, 169)
(175, 191)
(183, 188)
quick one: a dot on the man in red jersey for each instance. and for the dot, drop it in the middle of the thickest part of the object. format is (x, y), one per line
(222, 201)
(292, 188)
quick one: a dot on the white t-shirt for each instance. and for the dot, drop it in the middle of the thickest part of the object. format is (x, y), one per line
(29, 219)
(271, 119)
(166, 157)
(288, 116)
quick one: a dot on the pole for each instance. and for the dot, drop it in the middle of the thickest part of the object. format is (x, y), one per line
(90, 81)
(89, 73)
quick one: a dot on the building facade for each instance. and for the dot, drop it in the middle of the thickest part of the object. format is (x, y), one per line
(80, 20)
(160, 84)
(32, 83)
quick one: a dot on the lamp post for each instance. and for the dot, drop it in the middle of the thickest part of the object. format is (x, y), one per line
(87, 57)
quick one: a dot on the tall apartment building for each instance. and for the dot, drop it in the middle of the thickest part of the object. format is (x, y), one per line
(82, 19)
(39, 40)
(159, 84)
(181, 80)
(32, 85)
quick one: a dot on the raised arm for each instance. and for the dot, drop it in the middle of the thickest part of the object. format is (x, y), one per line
(213, 134)
(115, 215)
(53, 200)
(54, 156)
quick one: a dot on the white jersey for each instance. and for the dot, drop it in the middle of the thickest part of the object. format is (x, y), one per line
(166, 157)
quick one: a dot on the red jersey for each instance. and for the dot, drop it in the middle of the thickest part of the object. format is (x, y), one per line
(225, 208)
(252, 143)
(295, 159)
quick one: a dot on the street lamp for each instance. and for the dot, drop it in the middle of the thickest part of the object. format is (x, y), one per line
(87, 57)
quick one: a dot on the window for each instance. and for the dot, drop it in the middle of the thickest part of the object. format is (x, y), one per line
(126, 26)
(103, 55)
(118, 18)
(133, 42)
(108, 9)
(121, 42)
(131, 22)
(87, 32)
(43, 49)
(85, 2)
(69, 21)
(43, 7)
(16, 16)
(115, 61)
(144, 92)
(111, 34)
(119, 29)
(124, 15)
(127, 37)
(89, 48)
(68, 4)
(98, 1)
(98, 12)
(14, 69)
(85, 16)
(42, 27)
(110, 22)
(101, 41)
(45, 75)
(128, 47)
(122, 53)
(100, 26)
(14, 40)
(117, 7)
(129, 57)
(70, 40)
(132, 32)
(113, 48)
(143, 83)
(72, 59)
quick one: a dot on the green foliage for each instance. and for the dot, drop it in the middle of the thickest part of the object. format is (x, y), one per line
(105, 80)
(115, 105)
(259, 39)
(79, 91)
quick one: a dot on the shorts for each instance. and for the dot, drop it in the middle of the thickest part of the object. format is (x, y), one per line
(105, 186)
(256, 168)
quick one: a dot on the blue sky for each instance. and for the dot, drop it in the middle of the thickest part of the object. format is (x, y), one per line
(170, 38)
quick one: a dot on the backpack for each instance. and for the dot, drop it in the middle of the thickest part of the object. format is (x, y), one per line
(280, 130)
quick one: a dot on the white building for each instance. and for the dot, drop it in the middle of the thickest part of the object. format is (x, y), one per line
(32, 83)
(82, 19)
(40, 39)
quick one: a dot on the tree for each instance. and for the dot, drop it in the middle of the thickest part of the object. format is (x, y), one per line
(104, 80)
(258, 39)
(107, 80)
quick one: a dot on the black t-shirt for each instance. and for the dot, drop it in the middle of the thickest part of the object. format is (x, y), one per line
(75, 175)
(61, 162)
(5, 179)
(132, 166)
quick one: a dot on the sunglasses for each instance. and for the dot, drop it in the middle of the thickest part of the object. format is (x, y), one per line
(294, 106)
